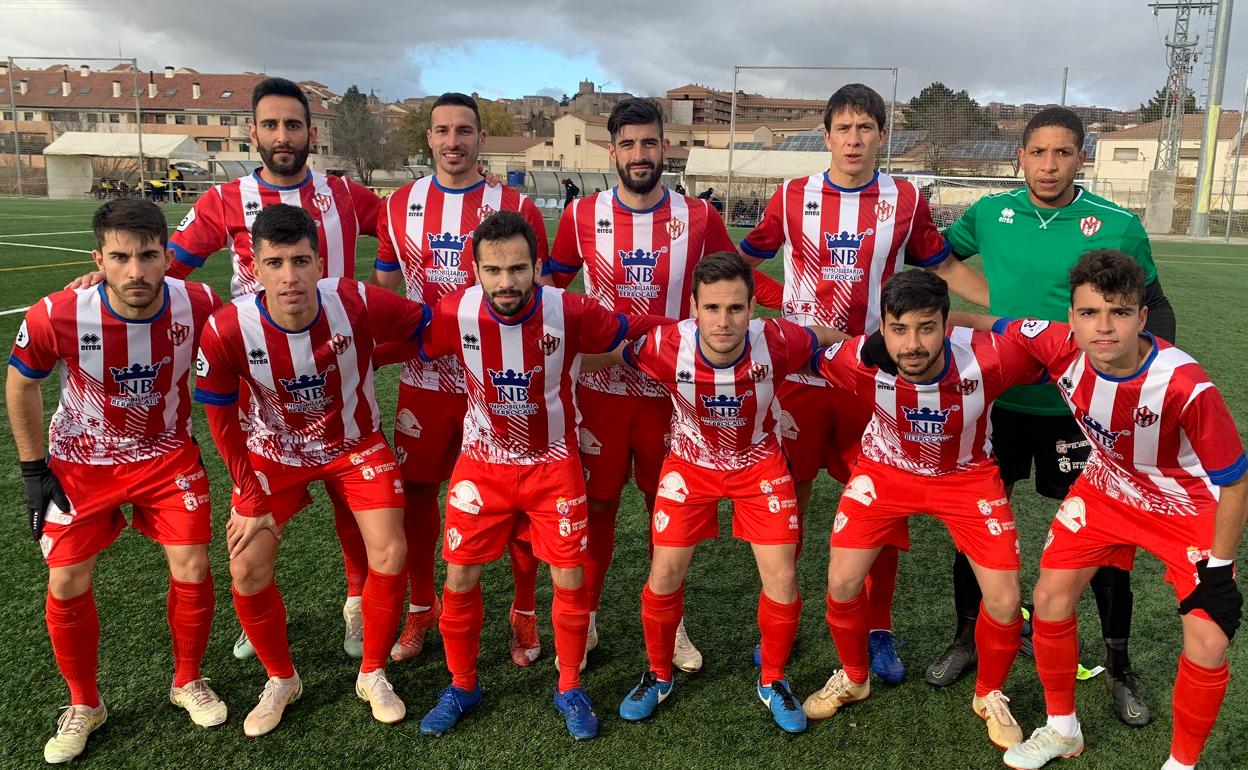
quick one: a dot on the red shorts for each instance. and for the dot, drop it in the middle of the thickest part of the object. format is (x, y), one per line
(367, 478)
(764, 504)
(821, 427)
(489, 504)
(971, 503)
(1092, 529)
(428, 431)
(168, 496)
(616, 429)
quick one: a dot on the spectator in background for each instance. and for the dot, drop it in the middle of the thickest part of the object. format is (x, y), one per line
(572, 192)
(706, 194)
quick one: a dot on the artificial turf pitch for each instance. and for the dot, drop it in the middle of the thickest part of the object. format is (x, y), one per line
(713, 720)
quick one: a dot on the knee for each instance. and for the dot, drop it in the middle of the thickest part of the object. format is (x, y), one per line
(69, 583)
(191, 568)
(843, 588)
(460, 579)
(390, 557)
(665, 577)
(1052, 604)
(1003, 604)
(568, 577)
(250, 575)
(1207, 646)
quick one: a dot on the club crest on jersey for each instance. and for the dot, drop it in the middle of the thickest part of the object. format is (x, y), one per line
(839, 522)
(883, 210)
(447, 250)
(87, 341)
(179, 333)
(453, 538)
(968, 386)
(1102, 435)
(322, 202)
(484, 211)
(674, 228)
(513, 392)
(1089, 226)
(1144, 417)
(549, 344)
(724, 411)
(861, 489)
(639, 265)
(843, 249)
(927, 425)
(307, 391)
(673, 487)
(340, 343)
(759, 372)
(1073, 514)
(135, 384)
(466, 497)
(661, 520)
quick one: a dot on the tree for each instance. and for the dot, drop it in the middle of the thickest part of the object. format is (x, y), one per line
(949, 117)
(540, 124)
(565, 100)
(1156, 107)
(358, 137)
(496, 120)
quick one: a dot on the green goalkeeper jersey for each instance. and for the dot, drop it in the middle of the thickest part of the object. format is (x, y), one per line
(1027, 253)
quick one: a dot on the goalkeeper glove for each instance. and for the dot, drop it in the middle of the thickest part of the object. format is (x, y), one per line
(41, 489)
(1217, 595)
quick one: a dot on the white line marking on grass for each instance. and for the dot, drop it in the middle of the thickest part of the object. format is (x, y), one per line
(15, 310)
(43, 267)
(1189, 262)
(41, 246)
(34, 235)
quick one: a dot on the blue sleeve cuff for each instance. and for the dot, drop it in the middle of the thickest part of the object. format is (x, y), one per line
(1230, 474)
(750, 250)
(215, 399)
(630, 358)
(938, 257)
(998, 326)
(186, 257)
(34, 374)
(385, 267)
(814, 340)
(814, 361)
(621, 334)
(426, 315)
(551, 265)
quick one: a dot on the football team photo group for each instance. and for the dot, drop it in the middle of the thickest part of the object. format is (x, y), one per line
(538, 377)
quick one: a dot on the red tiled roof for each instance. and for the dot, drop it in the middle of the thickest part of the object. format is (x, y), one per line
(1193, 129)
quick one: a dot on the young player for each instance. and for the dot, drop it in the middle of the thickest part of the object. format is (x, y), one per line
(721, 369)
(304, 349)
(1166, 473)
(519, 345)
(1028, 240)
(844, 232)
(120, 435)
(926, 449)
(425, 229)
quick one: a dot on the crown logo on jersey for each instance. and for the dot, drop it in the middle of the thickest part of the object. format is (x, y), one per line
(178, 333)
(639, 257)
(1102, 435)
(447, 241)
(846, 240)
(722, 401)
(135, 372)
(510, 378)
(136, 380)
(968, 386)
(926, 420)
(305, 382)
(1145, 417)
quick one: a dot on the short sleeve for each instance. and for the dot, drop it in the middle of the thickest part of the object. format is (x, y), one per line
(387, 253)
(600, 329)
(768, 235)
(201, 232)
(436, 337)
(1135, 242)
(34, 349)
(717, 237)
(368, 206)
(1018, 366)
(961, 234)
(216, 380)
(1212, 434)
(394, 318)
(926, 247)
(565, 255)
(839, 364)
(643, 352)
(1049, 342)
(798, 346)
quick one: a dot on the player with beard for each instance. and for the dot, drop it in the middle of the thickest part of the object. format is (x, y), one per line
(638, 244)
(1028, 240)
(283, 134)
(425, 231)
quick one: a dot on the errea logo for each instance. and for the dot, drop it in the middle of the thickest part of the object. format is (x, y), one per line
(1007, 216)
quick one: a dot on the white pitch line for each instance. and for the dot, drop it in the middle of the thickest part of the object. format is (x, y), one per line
(33, 235)
(41, 246)
(15, 310)
(1187, 262)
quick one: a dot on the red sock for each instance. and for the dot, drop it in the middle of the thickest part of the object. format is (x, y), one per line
(1198, 694)
(354, 555)
(1057, 660)
(382, 606)
(422, 524)
(848, 623)
(460, 626)
(601, 549)
(74, 628)
(523, 575)
(880, 585)
(777, 625)
(660, 615)
(263, 618)
(569, 614)
(998, 645)
(190, 609)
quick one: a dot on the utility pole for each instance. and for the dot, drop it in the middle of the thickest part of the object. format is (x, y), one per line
(1199, 225)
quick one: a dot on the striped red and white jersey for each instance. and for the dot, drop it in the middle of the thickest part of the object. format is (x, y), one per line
(841, 245)
(425, 230)
(937, 427)
(1162, 439)
(222, 218)
(125, 385)
(725, 418)
(311, 389)
(520, 371)
(636, 262)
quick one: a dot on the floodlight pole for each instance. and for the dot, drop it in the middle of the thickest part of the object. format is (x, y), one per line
(1199, 225)
(732, 135)
(138, 124)
(1065, 75)
(892, 112)
(17, 140)
(1239, 138)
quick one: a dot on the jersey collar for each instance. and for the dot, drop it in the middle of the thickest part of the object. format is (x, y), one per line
(164, 305)
(745, 351)
(1148, 361)
(535, 304)
(296, 186)
(828, 181)
(457, 190)
(615, 193)
(944, 370)
(264, 312)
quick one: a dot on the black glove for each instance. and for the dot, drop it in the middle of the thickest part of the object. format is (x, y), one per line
(41, 487)
(1217, 595)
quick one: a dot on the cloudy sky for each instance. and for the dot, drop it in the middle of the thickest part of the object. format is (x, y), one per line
(1004, 50)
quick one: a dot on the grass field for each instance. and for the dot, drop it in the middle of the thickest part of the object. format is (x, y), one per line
(714, 720)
